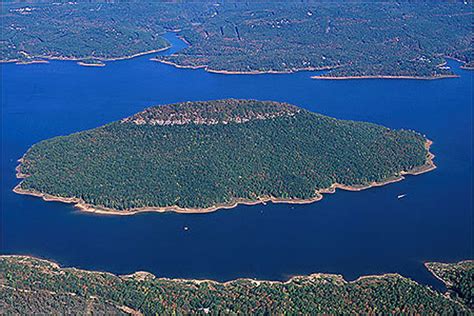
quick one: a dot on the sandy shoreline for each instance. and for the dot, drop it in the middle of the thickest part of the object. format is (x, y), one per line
(139, 275)
(143, 276)
(84, 207)
(39, 61)
(385, 77)
(81, 60)
(256, 72)
(253, 72)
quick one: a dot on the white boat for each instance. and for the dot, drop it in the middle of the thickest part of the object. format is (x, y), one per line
(401, 196)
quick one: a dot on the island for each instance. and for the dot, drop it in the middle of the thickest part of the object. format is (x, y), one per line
(197, 157)
(31, 286)
(91, 63)
(348, 40)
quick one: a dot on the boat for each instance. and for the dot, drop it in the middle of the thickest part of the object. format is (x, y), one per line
(401, 196)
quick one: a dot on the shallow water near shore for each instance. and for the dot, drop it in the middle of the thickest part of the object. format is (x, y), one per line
(348, 233)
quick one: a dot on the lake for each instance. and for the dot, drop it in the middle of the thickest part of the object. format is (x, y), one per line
(348, 233)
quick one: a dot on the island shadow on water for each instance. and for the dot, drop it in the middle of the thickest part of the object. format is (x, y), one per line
(349, 233)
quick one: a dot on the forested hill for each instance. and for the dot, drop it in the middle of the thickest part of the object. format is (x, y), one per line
(199, 156)
(351, 39)
(33, 286)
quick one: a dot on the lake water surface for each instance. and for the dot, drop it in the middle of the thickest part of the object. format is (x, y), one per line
(349, 233)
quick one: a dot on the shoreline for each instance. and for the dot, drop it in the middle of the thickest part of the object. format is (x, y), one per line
(273, 72)
(51, 267)
(385, 77)
(39, 61)
(446, 283)
(81, 60)
(143, 274)
(462, 62)
(319, 194)
(206, 68)
(252, 72)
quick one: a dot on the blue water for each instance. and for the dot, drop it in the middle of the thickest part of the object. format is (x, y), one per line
(349, 233)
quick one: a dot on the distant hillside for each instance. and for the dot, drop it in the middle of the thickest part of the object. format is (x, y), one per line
(201, 156)
(350, 39)
(378, 39)
(32, 286)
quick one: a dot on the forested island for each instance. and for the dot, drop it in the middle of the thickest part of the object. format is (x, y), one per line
(203, 156)
(348, 39)
(34, 286)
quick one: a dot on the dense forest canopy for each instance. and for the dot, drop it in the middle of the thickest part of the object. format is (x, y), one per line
(29, 285)
(88, 31)
(459, 278)
(215, 153)
(348, 38)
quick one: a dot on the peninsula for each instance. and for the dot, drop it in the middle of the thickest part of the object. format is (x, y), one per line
(31, 286)
(203, 156)
(458, 278)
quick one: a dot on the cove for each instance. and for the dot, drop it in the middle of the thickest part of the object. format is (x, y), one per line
(349, 233)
